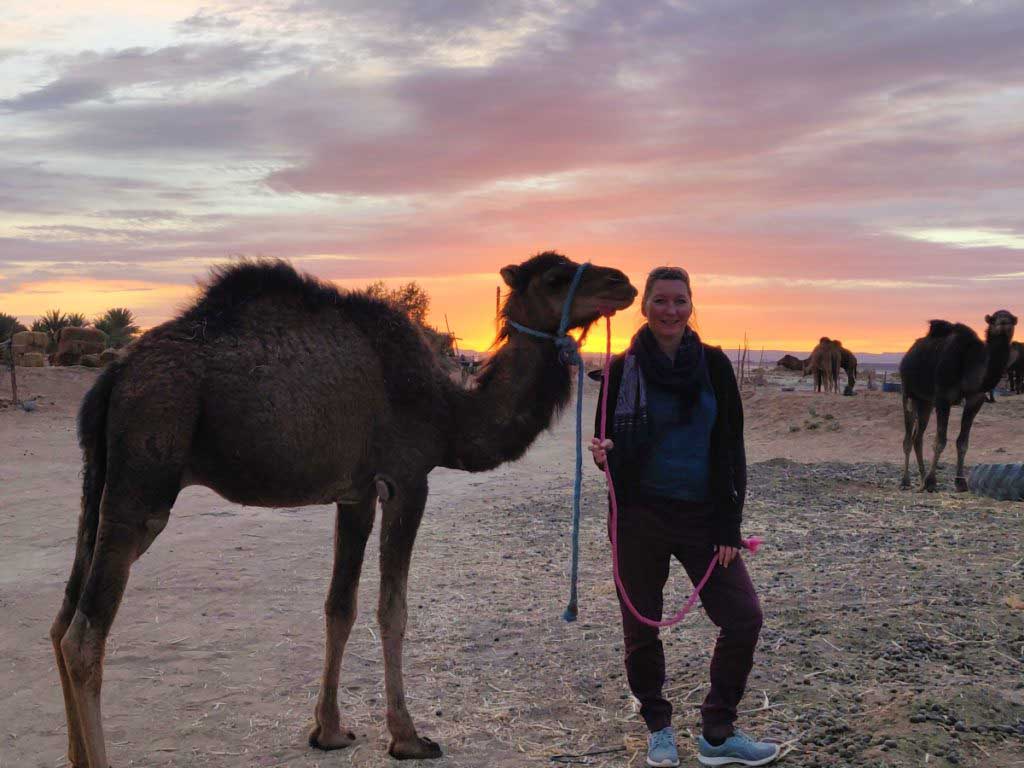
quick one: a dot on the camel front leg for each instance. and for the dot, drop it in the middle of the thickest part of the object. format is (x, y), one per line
(971, 408)
(941, 427)
(399, 523)
(351, 531)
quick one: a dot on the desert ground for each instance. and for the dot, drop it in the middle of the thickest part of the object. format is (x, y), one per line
(894, 629)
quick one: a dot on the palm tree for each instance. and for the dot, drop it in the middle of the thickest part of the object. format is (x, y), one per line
(119, 325)
(77, 320)
(9, 326)
(51, 323)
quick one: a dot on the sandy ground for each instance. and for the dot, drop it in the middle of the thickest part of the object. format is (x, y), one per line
(894, 630)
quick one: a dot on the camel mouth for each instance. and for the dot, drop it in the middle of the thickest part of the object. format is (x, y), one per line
(608, 307)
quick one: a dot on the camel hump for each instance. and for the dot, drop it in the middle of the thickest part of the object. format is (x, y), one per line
(939, 328)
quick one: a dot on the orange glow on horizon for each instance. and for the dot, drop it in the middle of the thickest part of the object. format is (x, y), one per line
(466, 305)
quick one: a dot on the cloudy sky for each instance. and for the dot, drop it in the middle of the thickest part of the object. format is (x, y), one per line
(849, 169)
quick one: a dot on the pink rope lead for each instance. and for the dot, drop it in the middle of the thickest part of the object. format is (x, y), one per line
(753, 543)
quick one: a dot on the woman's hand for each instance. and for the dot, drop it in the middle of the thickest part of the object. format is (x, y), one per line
(726, 555)
(600, 450)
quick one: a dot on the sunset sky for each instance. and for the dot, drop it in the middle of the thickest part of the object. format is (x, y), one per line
(849, 169)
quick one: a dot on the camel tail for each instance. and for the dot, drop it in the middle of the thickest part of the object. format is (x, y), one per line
(92, 437)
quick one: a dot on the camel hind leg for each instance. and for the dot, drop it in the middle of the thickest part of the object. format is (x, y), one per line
(399, 524)
(79, 570)
(120, 541)
(922, 415)
(352, 529)
(942, 409)
(131, 516)
(909, 412)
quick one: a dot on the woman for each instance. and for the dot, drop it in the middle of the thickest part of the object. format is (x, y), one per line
(677, 459)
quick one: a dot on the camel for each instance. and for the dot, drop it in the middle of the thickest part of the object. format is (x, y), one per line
(948, 366)
(1015, 368)
(790, 363)
(824, 364)
(276, 390)
(848, 362)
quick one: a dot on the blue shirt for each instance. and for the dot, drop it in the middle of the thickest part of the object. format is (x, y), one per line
(678, 465)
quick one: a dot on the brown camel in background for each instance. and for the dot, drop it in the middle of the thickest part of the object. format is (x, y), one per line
(824, 365)
(949, 366)
(1015, 368)
(790, 363)
(276, 390)
(847, 362)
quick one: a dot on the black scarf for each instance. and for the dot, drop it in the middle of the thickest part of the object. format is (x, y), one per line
(646, 364)
(684, 375)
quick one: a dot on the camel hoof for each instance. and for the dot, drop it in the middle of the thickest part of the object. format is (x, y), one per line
(905, 484)
(417, 748)
(961, 484)
(930, 485)
(319, 739)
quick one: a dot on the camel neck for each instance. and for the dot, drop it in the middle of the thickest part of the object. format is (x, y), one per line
(517, 396)
(997, 355)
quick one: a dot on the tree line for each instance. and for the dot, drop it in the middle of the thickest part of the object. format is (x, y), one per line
(118, 324)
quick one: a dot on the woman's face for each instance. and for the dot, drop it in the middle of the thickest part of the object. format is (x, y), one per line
(668, 308)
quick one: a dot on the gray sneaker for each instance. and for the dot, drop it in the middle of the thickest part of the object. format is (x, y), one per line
(739, 749)
(661, 749)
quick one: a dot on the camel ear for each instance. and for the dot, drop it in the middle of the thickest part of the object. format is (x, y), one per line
(509, 274)
(988, 319)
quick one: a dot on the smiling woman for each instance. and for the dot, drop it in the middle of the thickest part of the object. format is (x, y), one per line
(678, 463)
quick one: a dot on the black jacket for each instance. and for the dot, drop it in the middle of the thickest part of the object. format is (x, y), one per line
(727, 457)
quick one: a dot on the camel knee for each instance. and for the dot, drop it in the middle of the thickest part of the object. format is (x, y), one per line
(341, 611)
(82, 650)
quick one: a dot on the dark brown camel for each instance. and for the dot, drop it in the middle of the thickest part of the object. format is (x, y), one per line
(948, 366)
(1015, 368)
(790, 363)
(848, 362)
(275, 389)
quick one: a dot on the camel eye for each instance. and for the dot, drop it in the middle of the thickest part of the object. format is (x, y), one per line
(555, 279)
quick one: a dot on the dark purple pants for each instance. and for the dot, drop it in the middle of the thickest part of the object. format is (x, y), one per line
(650, 533)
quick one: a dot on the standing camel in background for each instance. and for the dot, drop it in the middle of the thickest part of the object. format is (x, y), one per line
(276, 390)
(1015, 368)
(949, 365)
(847, 362)
(824, 365)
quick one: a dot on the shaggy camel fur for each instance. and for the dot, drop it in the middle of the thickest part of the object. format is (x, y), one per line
(948, 366)
(824, 365)
(276, 390)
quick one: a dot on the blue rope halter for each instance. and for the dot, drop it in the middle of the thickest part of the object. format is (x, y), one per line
(569, 354)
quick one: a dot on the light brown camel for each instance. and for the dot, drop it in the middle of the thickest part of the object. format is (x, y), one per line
(824, 365)
(948, 366)
(276, 390)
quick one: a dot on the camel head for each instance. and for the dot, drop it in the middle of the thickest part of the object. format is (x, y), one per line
(1000, 323)
(539, 286)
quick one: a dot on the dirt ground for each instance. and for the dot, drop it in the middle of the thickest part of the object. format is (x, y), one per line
(894, 632)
